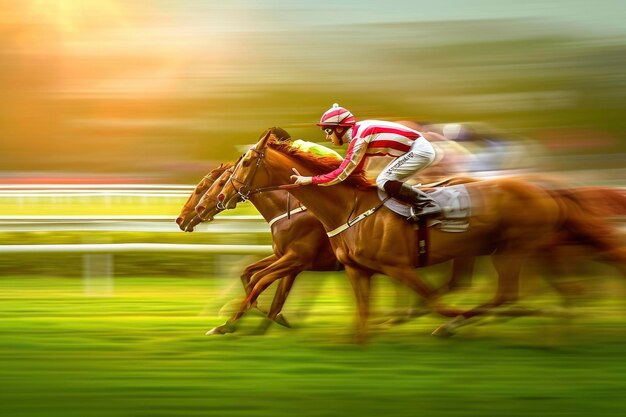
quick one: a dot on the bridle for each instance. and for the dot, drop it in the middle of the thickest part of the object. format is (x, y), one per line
(244, 191)
(212, 182)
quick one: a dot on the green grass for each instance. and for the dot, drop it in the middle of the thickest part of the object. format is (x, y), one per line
(142, 352)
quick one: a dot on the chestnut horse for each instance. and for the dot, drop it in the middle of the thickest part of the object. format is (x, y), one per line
(299, 242)
(188, 219)
(511, 220)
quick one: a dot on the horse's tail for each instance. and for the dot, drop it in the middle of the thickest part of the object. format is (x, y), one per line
(586, 214)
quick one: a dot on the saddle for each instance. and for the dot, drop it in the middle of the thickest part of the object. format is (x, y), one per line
(454, 201)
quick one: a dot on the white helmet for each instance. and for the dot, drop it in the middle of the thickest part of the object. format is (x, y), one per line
(337, 116)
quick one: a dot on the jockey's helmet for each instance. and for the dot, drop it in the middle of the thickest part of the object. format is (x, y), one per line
(337, 116)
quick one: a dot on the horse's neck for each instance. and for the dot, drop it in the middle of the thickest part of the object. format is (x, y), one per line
(332, 205)
(274, 203)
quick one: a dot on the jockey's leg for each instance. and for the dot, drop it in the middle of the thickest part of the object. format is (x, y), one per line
(391, 179)
(423, 204)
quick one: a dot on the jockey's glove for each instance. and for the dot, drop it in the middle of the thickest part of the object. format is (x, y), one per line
(301, 180)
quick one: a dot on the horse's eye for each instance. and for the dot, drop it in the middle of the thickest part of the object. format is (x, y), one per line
(222, 183)
(245, 162)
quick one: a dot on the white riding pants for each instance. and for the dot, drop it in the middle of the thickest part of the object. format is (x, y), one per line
(417, 158)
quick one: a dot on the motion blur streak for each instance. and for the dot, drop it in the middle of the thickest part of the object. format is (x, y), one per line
(162, 91)
(160, 88)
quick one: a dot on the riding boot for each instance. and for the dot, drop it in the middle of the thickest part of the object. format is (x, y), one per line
(422, 204)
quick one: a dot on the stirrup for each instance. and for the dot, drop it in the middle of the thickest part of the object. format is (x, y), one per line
(416, 214)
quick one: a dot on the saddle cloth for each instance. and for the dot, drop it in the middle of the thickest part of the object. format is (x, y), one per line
(455, 204)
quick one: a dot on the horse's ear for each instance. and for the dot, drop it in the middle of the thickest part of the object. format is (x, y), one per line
(265, 132)
(264, 139)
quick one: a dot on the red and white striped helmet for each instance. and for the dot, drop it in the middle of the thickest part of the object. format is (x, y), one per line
(337, 116)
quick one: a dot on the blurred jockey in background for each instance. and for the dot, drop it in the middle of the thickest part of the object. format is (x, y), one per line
(479, 149)
(374, 145)
(282, 135)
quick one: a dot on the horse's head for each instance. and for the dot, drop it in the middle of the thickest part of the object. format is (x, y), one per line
(188, 219)
(248, 176)
(209, 205)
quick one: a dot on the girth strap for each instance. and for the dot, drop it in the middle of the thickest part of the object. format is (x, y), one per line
(289, 213)
(357, 219)
(422, 243)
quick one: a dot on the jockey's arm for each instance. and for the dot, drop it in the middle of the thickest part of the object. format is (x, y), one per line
(354, 156)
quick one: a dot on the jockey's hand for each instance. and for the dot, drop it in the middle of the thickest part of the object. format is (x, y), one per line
(300, 179)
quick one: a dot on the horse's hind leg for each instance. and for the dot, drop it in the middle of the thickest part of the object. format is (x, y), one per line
(508, 266)
(250, 270)
(284, 266)
(406, 275)
(461, 273)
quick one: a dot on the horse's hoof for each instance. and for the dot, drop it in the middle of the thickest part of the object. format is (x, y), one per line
(223, 329)
(443, 331)
(449, 329)
(280, 319)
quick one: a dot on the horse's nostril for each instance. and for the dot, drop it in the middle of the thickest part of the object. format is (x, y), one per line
(221, 197)
(179, 220)
(199, 209)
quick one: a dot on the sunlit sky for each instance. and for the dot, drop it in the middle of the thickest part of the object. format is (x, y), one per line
(78, 76)
(602, 16)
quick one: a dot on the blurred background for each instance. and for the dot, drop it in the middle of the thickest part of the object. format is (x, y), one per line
(161, 90)
(111, 110)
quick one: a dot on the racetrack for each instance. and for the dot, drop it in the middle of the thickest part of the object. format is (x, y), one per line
(140, 351)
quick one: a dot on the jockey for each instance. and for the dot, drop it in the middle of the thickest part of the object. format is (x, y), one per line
(375, 145)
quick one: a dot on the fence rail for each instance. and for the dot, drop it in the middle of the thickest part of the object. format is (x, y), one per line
(143, 223)
(110, 248)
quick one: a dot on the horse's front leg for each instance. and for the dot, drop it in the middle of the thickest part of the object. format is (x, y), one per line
(264, 278)
(250, 270)
(360, 279)
(284, 287)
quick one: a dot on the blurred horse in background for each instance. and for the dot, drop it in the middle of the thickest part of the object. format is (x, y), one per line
(511, 220)
(188, 219)
(299, 243)
(292, 231)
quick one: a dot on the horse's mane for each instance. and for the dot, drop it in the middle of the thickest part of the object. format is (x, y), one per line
(320, 164)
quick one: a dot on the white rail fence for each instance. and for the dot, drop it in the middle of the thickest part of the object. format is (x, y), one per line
(142, 223)
(98, 262)
(98, 258)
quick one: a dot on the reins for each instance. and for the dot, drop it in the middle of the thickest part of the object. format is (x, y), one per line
(245, 196)
(357, 219)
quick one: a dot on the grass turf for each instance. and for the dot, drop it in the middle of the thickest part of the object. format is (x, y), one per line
(140, 351)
